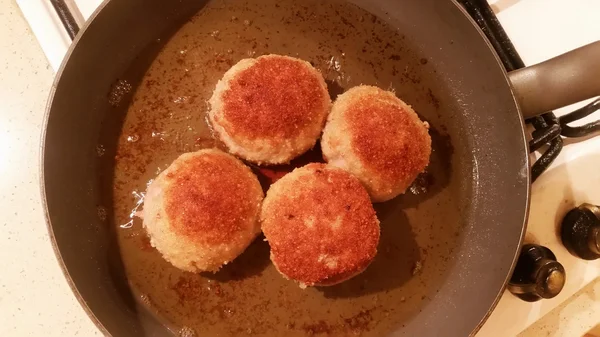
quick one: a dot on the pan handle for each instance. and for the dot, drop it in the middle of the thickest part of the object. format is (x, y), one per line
(566, 79)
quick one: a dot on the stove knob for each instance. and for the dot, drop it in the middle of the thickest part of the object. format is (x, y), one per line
(580, 231)
(537, 274)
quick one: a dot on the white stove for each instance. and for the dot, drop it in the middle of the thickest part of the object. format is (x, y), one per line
(539, 29)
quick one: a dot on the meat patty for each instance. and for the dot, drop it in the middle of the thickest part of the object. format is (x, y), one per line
(202, 211)
(374, 135)
(320, 225)
(270, 109)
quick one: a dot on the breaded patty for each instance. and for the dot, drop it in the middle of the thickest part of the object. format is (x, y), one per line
(269, 109)
(374, 135)
(320, 225)
(202, 211)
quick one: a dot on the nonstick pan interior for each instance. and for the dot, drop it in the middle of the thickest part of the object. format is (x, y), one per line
(453, 235)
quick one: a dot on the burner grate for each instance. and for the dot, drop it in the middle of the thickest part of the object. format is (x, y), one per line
(547, 127)
(583, 130)
(66, 17)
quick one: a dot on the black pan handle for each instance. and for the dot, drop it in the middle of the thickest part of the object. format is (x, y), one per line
(66, 17)
(566, 79)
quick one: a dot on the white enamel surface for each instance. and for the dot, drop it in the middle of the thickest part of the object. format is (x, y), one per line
(541, 29)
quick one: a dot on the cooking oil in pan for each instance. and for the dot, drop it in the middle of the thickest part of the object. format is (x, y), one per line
(166, 118)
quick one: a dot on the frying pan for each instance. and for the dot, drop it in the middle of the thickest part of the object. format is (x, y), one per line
(130, 97)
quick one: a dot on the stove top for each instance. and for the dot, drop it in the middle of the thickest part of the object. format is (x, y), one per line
(564, 152)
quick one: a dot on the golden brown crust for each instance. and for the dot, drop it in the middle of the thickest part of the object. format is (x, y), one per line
(276, 96)
(211, 198)
(391, 141)
(378, 138)
(320, 224)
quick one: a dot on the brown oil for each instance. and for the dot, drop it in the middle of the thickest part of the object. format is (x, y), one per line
(419, 230)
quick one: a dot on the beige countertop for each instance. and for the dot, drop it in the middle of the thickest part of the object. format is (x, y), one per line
(35, 299)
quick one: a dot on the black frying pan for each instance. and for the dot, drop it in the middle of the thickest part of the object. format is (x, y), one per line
(130, 97)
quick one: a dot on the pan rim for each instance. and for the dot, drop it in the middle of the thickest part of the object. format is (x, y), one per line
(50, 227)
(42, 176)
(526, 168)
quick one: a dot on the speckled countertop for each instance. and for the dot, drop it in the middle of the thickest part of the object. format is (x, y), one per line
(35, 299)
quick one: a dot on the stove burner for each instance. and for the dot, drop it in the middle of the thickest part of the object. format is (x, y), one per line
(548, 128)
(580, 232)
